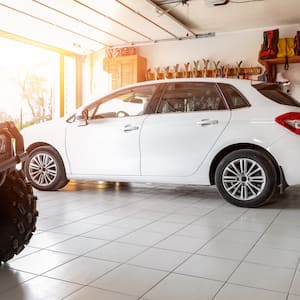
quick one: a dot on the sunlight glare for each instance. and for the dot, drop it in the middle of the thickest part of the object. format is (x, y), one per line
(17, 59)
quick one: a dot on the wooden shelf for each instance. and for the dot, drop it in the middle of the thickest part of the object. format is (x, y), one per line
(248, 71)
(280, 60)
(271, 65)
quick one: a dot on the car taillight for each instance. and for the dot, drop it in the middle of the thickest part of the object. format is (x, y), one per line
(290, 121)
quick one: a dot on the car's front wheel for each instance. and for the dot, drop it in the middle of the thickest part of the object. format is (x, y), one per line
(246, 178)
(45, 169)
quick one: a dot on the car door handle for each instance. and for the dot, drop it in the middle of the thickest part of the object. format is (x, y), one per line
(130, 128)
(206, 122)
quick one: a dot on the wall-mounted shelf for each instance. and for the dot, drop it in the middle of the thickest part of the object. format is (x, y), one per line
(232, 72)
(271, 65)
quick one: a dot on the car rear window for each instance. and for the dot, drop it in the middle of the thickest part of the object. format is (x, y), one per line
(274, 93)
(234, 97)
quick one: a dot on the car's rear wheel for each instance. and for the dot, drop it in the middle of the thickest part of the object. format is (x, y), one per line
(246, 178)
(45, 169)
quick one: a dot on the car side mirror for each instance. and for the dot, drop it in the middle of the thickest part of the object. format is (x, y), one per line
(82, 118)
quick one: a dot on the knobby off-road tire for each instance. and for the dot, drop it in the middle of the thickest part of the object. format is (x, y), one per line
(18, 215)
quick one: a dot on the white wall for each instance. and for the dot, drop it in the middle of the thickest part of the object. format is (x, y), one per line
(226, 47)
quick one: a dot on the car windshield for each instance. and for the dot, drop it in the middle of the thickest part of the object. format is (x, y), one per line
(274, 93)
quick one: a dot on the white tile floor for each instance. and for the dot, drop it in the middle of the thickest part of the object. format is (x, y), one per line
(155, 242)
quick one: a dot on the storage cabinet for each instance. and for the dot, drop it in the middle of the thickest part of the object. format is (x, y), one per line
(125, 69)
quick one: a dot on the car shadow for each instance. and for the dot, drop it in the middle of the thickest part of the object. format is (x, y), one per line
(290, 199)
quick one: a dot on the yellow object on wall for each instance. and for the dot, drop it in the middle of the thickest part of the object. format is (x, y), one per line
(286, 47)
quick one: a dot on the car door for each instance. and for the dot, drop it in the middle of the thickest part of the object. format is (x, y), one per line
(190, 117)
(108, 142)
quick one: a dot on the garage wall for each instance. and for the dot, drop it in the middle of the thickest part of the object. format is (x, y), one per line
(96, 80)
(226, 47)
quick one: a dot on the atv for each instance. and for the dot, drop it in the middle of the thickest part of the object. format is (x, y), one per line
(18, 212)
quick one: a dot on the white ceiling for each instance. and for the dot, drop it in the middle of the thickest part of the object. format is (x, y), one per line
(82, 26)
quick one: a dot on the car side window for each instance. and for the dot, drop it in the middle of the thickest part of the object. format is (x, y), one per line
(130, 102)
(234, 98)
(190, 97)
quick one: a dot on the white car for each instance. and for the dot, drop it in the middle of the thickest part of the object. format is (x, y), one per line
(242, 137)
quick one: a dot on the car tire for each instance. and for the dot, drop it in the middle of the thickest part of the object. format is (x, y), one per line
(45, 169)
(17, 215)
(246, 178)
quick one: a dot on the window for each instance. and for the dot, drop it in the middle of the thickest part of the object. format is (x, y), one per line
(190, 97)
(131, 102)
(273, 92)
(234, 98)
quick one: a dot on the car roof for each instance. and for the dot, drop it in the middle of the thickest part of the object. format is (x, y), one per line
(236, 82)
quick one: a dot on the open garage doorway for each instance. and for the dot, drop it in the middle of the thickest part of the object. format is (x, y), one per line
(36, 84)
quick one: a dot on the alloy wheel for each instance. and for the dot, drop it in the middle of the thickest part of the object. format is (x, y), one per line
(244, 179)
(43, 169)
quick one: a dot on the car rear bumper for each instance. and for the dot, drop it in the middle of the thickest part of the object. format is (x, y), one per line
(286, 151)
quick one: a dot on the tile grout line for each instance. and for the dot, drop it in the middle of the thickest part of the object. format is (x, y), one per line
(125, 262)
(243, 259)
(292, 281)
(195, 252)
(150, 247)
(119, 264)
(144, 200)
(82, 234)
(108, 241)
